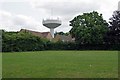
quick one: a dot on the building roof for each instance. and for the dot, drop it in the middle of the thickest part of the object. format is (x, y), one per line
(48, 35)
(40, 34)
(64, 38)
(44, 34)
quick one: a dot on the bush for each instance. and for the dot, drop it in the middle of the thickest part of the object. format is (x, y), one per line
(17, 42)
(21, 42)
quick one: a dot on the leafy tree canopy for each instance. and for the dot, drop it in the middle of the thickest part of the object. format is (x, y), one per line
(114, 29)
(62, 33)
(89, 28)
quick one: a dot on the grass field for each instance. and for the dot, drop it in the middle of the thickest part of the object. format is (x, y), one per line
(0, 65)
(61, 64)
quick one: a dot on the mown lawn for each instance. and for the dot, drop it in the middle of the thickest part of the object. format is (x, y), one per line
(60, 64)
(0, 65)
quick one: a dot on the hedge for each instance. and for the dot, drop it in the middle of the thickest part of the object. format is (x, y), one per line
(17, 42)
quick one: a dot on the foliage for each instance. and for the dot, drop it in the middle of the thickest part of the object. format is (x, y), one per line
(113, 36)
(62, 33)
(13, 41)
(17, 42)
(89, 28)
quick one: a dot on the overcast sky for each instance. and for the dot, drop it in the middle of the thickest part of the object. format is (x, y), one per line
(28, 14)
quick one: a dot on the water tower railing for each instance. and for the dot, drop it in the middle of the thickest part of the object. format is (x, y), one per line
(51, 21)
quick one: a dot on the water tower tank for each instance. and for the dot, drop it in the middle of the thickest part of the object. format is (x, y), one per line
(52, 24)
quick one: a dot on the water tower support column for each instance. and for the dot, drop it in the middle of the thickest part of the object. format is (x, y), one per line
(52, 32)
(52, 24)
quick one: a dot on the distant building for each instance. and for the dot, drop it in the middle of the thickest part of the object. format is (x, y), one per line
(64, 38)
(46, 35)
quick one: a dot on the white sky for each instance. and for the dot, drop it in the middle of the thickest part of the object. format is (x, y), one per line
(28, 14)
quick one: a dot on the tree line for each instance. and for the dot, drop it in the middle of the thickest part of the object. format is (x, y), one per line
(90, 30)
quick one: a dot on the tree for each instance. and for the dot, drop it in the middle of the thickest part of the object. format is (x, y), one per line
(62, 33)
(113, 36)
(24, 41)
(89, 28)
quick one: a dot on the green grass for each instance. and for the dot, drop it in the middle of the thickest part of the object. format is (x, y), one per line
(61, 64)
(0, 65)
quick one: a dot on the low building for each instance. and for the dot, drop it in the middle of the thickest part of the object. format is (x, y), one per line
(46, 35)
(64, 38)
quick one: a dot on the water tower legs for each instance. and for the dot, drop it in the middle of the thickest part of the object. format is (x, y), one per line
(52, 32)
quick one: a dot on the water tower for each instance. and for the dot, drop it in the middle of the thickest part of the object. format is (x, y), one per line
(52, 24)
